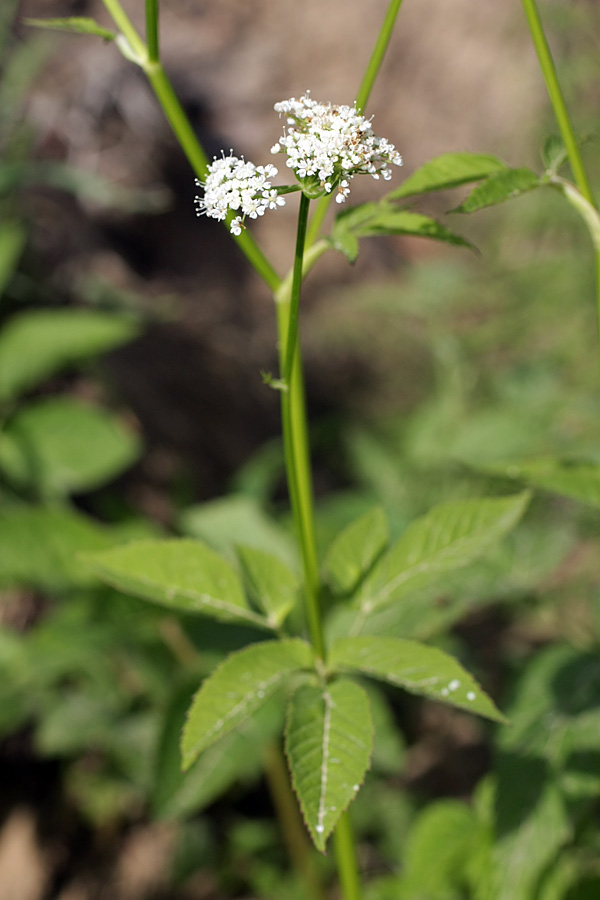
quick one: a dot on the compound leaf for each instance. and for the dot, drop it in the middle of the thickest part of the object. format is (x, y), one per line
(447, 171)
(354, 551)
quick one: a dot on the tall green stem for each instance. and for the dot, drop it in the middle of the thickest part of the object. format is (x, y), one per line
(557, 99)
(295, 438)
(585, 204)
(178, 120)
(364, 92)
(347, 863)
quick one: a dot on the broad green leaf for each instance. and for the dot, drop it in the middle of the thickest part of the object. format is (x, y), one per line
(448, 171)
(12, 242)
(271, 584)
(238, 756)
(38, 343)
(75, 24)
(59, 446)
(498, 187)
(449, 536)
(355, 550)
(383, 218)
(238, 687)
(180, 574)
(39, 546)
(328, 741)
(580, 481)
(417, 668)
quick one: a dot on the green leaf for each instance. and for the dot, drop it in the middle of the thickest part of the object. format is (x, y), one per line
(36, 344)
(180, 574)
(554, 153)
(238, 756)
(59, 446)
(451, 535)
(74, 24)
(270, 583)
(329, 738)
(39, 546)
(238, 687)
(383, 218)
(417, 668)
(355, 550)
(448, 171)
(579, 481)
(498, 187)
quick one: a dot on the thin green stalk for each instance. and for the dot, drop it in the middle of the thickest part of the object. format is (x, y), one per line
(347, 862)
(295, 436)
(181, 126)
(292, 828)
(557, 99)
(152, 30)
(364, 92)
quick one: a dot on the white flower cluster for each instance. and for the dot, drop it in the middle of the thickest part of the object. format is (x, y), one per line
(233, 183)
(328, 145)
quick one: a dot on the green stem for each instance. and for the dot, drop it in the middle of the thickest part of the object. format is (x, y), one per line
(152, 30)
(181, 126)
(364, 92)
(295, 433)
(347, 862)
(292, 827)
(557, 99)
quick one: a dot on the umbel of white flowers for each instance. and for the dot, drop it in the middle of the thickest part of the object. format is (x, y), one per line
(326, 146)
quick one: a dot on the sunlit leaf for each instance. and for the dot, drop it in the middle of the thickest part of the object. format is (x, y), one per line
(242, 683)
(355, 550)
(180, 574)
(329, 739)
(270, 583)
(500, 186)
(449, 170)
(451, 535)
(417, 668)
(579, 481)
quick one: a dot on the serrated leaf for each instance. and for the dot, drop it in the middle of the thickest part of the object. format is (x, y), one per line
(447, 171)
(383, 218)
(579, 481)
(36, 344)
(59, 446)
(498, 187)
(328, 741)
(417, 668)
(451, 535)
(73, 24)
(238, 687)
(355, 550)
(180, 574)
(270, 583)
(236, 757)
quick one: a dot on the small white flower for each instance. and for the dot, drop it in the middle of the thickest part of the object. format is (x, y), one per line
(236, 184)
(328, 145)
